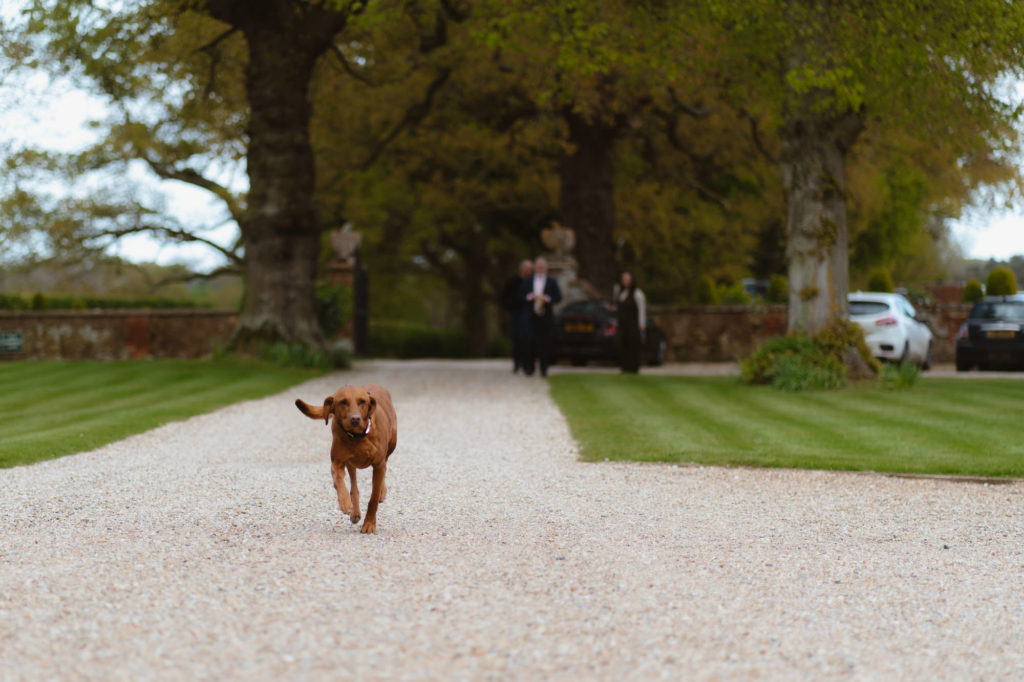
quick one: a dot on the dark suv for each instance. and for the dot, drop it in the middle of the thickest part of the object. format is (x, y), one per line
(992, 336)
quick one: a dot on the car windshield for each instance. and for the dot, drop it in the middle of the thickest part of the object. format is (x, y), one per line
(868, 307)
(584, 308)
(999, 310)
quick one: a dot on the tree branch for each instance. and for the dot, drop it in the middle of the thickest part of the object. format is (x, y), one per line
(194, 178)
(193, 276)
(414, 114)
(172, 233)
(755, 134)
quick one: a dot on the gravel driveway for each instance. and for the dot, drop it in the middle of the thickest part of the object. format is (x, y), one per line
(212, 549)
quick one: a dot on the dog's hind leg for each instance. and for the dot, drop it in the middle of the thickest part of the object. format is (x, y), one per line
(338, 475)
(355, 515)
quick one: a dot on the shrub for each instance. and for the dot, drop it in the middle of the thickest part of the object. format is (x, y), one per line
(778, 289)
(333, 307)
(761, 366)
(799, 363)
(58, 302)
(398, 339)
(707, 291)
(800, 373)
(881, 280)
(972, 291)
(1001, 282)
(836, 338)
(735, 294)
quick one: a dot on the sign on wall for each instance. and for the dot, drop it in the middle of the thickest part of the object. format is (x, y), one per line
(11, 342)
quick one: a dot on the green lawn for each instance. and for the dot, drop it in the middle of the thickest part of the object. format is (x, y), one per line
(966, 427)
(49, 409)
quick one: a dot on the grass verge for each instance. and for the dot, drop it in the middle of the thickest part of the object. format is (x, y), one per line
(50, 409)
(942, 426)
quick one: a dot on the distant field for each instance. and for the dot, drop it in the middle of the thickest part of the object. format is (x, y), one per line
(49, 409)
(940, 426)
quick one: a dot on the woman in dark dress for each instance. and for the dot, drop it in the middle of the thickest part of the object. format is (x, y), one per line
(632, 317)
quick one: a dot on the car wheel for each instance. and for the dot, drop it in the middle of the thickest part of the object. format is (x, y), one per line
(962, 365)
(906, 354)
(927, 362)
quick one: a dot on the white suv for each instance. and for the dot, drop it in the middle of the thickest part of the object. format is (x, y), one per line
(891, 327)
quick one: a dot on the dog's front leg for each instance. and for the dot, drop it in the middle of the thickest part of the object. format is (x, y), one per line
(370, 524)
(338, 474)
(354, 516)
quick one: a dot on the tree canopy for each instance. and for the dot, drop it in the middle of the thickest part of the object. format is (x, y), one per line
(688, 141)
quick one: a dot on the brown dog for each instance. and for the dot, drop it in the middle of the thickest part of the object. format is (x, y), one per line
(365, 431)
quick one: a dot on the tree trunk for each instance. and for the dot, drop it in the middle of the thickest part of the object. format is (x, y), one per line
(280, 228)
(813, 164)
(588, 198)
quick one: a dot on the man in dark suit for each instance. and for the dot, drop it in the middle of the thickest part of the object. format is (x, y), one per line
(541, 294)
(515, 306)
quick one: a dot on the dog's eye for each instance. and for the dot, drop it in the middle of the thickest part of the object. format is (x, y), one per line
(362, 402)
(344, 402)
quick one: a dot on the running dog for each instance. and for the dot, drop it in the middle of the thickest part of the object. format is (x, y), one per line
(365, 432)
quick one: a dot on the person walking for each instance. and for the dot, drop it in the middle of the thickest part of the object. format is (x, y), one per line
(515, 306)
(541, 293)
(632, 312)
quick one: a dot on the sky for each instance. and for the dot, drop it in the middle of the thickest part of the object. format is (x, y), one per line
(40, 111)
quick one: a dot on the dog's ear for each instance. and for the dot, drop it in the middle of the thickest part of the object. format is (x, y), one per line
(372, 407)
(328, 408)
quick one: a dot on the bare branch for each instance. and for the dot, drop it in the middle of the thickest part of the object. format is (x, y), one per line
(194, 178)
(755, 133)
(172, 233)
(193, 276)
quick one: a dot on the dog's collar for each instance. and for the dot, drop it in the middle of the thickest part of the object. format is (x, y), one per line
(357, 436)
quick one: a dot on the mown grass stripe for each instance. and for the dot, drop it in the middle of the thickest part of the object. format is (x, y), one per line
(966, 427)
(63, 407)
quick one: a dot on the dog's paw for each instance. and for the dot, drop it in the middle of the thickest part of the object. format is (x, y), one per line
(355, 517)
(369, 527)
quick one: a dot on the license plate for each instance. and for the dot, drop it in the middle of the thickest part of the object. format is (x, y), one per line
(578, 328)
(1000, 334)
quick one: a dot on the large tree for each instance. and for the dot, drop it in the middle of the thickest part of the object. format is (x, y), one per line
(822, 71)
(245, 84)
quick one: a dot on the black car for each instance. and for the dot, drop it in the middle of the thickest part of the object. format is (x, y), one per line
(992, 336)
(585, 331)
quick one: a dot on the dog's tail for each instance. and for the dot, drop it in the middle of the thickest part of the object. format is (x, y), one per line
(311, 411)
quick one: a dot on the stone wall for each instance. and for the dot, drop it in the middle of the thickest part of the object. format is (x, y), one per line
(725, 333)
(113, 334)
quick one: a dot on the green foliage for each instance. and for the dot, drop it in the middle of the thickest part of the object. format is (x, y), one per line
(707, 291)
(399, 339)
(735, 294)
(881, 280)
(899, 377)
(800, 373)
(837, 338)
(334, 306)
(302, 356)
(778, 289)
(797, 362)
(972, 291)
(1001, 282)
(42, 302)
(762, 366)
